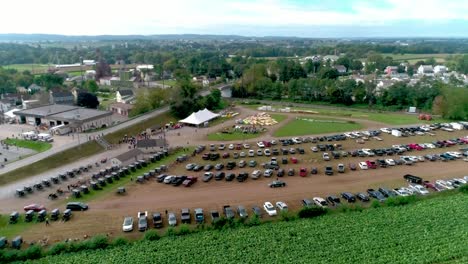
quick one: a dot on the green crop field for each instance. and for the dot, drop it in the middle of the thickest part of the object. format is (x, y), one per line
(33, 68)
(430, 231)
(34, 145)
(310, 125)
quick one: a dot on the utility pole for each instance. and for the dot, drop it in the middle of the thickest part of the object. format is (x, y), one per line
(81, 70)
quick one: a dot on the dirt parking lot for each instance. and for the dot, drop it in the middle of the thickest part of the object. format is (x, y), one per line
(106, 214)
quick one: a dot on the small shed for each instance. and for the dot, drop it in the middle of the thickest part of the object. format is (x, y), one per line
(127, 157)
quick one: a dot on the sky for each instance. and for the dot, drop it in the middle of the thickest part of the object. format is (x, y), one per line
(301, 18)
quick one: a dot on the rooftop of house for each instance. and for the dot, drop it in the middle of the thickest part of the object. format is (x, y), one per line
(81, 114)
(125, 92)
(122, 106)
(47, 110)
(131, 154)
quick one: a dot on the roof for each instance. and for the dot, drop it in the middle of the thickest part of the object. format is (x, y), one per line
(61, 93)
(122, 106)
(340, 68)
(131, 154)
(126, 92)
(197, 118)
(151, 143)
(81, 114)
(47, 110)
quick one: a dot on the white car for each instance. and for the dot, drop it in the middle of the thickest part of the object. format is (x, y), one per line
(255, 174)
(419, 189)
(267, 152)
(231, 146)
(314, 149)
(421, 158)
(251, 153)
(465, 178)
(246, 146)
(168, 179)
(430, 145)
(242, 154)
(269, 208)
(444, 185)
(268, 173)
(390, 162)
(455, 154)
(282, 206)
(386, 130)
(259, 152)
(319, 201)
(363, 165)
(221, 146)
(460, 180)
(403, 191)
(127, 225)
(368, 152)
(297, 140)
(273, 142)
(172, 219)
(325, 156)
(260, 144)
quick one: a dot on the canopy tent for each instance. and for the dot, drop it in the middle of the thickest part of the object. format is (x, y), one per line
(199, 117)
(10, 114)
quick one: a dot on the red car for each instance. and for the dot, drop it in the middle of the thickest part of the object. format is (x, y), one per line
(225, 155)
(464, 140)
(415, 146)
(238, 146)
(430, 185)
(34, 207)
(189, 181)
(293, 160)
(303, 172)
(371, 164)
(267, 144)
(206, 156)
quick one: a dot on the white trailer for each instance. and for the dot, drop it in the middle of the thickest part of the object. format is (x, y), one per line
(457, 126)
(60, 129)
(396, 133)
(45, 137)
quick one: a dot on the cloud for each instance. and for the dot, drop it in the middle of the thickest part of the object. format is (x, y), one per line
(188, 16)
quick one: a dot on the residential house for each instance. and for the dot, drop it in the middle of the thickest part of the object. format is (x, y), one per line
(121, 108)
(440, 69)
(340, 68)
(425, 70)
(124, 96)
(391, 70)
(105, 81)
(61, 97)
(331, 58)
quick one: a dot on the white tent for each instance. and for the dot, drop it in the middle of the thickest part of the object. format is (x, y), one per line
(199, 117)
(10, 114)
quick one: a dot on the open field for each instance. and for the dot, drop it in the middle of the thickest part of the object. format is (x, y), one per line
(305, 125)
(389, 118)
(34, 145)
(154, 197)
(168, 82)
(33, 68)
(407, 234)
(413, 58)
(54, 161)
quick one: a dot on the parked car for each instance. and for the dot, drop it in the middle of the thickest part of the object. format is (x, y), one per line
(190, 166)
(185, 216)
(199, 216)
(171, 219)
(282, 206)
(333, 200)
(403, 191)
(419, 189)
(328, 170)
(207, 176)
(256, 174)
(326, 156)
(252, 163)
(142, 221)
(341, 168)
(307, 202)
(230, 177)
(127, 225)
(349, 197)
(242, 176)
(157, 220)
(214, 215)
(257, 211)
(363, 165)
(363, 197)
(303, 172)
(376, 194)
(280, 173)
(269, 208)
(268, 173)
(413, 179)
(319, 201)
(228, 212)
(77, 206)
(387, 192)
(291, 172)
(242, 212)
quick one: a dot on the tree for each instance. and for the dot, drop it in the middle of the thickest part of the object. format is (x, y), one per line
(345, 61)
(49, 80)
(356, 65)
(87, 100)
(462, 64)
(328, 73)
(91, 86)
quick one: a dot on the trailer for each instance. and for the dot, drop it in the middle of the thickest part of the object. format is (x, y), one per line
(396, 133)
(60, 129)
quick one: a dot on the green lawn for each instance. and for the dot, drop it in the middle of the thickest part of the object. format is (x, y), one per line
(301, 127)
(11, 230)
(84, 150)
(33, 68)
(34, 145)
(168, 82)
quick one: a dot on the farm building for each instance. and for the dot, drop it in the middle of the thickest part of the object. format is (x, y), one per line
(79, 119)
(127, 157)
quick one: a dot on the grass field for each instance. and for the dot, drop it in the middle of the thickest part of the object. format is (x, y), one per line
(301, 127)
(51, 162)
(161, 119)
(171, 83)
(34, 145)
(33, 68)
(400, 234)
(12, 230)
(389, 118)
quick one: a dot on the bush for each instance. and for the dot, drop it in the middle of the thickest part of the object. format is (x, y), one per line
(97, 242)
(376, 204)
(287, 216)
(122, 241)
(77, 246)
(9, 255)
(311, 211)
(184, 230)
(220, 223)
(254, 221)
(151, 235)
(171, 232)
(400, 200)
(33, 252)
(57, 249)
(464, 189)
(345, 208)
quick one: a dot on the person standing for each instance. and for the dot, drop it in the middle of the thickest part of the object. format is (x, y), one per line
(47, 221)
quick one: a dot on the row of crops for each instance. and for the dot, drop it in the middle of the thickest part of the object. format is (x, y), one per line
(431, 231)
